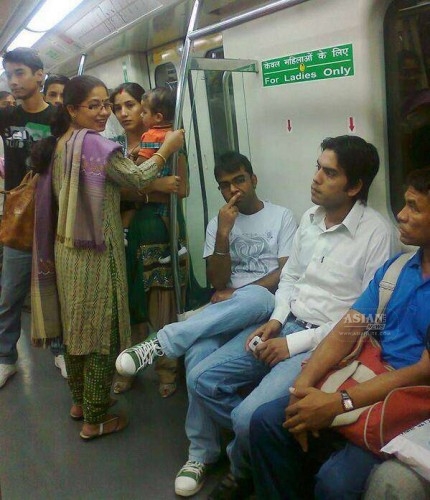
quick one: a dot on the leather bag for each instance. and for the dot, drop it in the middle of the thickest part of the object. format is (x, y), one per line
(372, 427)
(17, 225)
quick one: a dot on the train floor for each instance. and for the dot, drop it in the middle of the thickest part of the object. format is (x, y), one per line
(42, 456)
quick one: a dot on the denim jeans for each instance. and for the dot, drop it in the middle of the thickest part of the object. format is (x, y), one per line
(15, 285)
(280, 467)
(198, 337)
(247, 305)
(216, 382)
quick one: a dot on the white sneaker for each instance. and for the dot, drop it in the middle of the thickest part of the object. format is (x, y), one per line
(6, 371)
(60, 363)
(133, 359)
(190, 478)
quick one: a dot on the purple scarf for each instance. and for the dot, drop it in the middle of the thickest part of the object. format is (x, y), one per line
(78, 223)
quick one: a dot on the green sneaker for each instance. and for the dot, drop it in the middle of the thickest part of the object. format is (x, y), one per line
(133, 359)
(190, 478)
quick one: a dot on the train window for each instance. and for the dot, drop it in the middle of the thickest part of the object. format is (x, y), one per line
(166, 76)
(407, 55)
(222, 120)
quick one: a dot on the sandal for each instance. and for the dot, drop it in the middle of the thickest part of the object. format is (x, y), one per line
(167, 390)
(122, 384)
(118, 423)
(77, 413)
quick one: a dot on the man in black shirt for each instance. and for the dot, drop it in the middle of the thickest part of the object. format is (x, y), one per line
(20, 126)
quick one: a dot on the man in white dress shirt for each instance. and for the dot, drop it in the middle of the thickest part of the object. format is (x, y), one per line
(339, 245)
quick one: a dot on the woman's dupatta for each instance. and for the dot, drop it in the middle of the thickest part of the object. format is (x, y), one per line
(78, 223)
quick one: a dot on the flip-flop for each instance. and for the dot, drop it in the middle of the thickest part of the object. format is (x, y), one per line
(121, 423)
(79, 415)
(167, 390)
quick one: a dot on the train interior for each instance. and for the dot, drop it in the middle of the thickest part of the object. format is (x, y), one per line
(270, 79)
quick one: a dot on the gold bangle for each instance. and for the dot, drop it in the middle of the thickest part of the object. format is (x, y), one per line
(161, 156)
(147, 198)
(222, 254)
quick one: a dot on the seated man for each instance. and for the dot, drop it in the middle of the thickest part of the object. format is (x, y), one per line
(338, 247)
(246, 248)
(277, 457)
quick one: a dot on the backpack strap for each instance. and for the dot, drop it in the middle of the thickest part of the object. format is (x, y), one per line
(389, 280)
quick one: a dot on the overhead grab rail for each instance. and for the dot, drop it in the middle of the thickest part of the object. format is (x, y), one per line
(193, 34)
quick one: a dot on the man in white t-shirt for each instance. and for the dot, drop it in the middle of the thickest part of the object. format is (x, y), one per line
(246, 246)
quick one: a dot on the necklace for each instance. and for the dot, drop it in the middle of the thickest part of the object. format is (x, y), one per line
(132, 150)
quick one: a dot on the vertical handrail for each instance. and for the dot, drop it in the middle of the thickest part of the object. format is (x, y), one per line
(82, 64)
(227, 110)
(180, 98)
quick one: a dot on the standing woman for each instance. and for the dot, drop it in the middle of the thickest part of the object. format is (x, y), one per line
(78, 276)
(150, 282)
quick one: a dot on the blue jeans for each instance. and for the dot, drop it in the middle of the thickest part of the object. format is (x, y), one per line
(216, 381)
(15, 285)
(247, 305)
(201, 335)
(281, 469)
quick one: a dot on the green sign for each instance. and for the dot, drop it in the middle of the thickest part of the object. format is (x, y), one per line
(332, 62)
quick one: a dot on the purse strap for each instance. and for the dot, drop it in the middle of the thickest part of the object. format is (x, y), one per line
(389, 281)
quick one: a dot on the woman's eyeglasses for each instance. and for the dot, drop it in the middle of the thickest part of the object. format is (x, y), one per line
(98, 106)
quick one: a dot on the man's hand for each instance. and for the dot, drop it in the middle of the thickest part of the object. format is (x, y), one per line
(228, 215)
(315, 410)
(265, 332)
(221, 295)
(272, 351)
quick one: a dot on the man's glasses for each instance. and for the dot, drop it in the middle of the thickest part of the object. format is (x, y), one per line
(98, 106)
(237, 181)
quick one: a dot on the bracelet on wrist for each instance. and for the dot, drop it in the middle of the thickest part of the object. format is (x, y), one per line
(161, 156)
(222, 254)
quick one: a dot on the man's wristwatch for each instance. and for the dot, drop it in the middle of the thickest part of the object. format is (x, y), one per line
(347, 403)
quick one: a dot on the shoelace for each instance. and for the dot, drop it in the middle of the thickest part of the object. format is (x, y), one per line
(146, 352)
(193, 467)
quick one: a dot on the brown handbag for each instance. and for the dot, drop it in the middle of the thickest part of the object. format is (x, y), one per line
(16, 229)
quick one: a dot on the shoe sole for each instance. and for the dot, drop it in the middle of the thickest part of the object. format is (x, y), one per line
(188, 493)
(122, 423)
(7, 378)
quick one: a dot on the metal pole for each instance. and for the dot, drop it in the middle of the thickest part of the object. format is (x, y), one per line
(245, 17)
(82, 64)
(180, 97)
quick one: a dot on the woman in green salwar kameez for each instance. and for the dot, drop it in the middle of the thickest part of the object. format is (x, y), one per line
(78, 250)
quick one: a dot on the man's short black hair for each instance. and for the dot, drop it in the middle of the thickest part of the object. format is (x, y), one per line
(24, 55)
(54, 79)
(359, 160)
(419, 179)
(4, 94)
(230, 162)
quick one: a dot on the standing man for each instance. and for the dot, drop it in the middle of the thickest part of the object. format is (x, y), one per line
(278, 454)
(53, 89)
(20, 126)
(246, 246)
(337, 248)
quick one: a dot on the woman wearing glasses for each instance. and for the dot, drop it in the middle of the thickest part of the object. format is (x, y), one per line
(79, 279)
